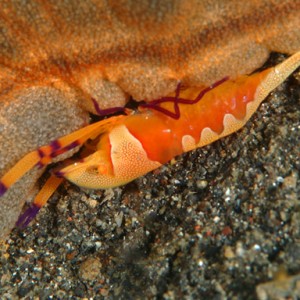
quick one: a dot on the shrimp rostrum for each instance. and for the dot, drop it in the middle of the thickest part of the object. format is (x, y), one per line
(120, 149)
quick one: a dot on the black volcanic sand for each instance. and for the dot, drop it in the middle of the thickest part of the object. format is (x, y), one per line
(221, 222)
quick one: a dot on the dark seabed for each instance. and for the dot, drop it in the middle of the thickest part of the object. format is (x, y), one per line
(221, 222)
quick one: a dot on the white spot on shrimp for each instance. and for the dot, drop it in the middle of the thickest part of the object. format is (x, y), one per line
(188, 143)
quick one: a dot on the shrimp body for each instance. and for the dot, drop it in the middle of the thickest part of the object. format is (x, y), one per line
(141, 142)
(125, 147)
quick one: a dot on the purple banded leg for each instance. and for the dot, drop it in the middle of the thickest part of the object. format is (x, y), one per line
(29, 214)
(40, 200)
(3, 189)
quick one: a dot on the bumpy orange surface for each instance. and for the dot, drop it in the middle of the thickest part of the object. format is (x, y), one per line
(57, 55)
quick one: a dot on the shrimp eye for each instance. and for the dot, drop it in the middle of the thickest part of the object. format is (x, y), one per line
(93, 170)
(98, 169)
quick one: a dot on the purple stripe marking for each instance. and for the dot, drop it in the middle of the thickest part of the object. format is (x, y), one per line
(176, 100)
(27, 216)
(61, 150)
(72, 145)
(3, 189)
(108, 111)
(40, 165)
(41, 153)
(59, 174)
(55, 145)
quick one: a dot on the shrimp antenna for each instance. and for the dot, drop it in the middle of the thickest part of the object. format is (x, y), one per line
(177, 100)
(107, 111)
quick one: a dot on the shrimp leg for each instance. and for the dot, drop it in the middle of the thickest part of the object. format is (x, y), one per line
(40, 200)
(44, 155)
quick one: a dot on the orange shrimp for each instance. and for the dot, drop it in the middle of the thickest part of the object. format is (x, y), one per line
(128, 146)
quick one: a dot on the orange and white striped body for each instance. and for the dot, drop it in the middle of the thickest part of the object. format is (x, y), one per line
(126, 147)
(139, 143)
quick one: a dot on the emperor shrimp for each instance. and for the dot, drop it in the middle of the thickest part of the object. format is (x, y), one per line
(125, 147)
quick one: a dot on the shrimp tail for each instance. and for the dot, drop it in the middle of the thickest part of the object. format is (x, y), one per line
(277, 75)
